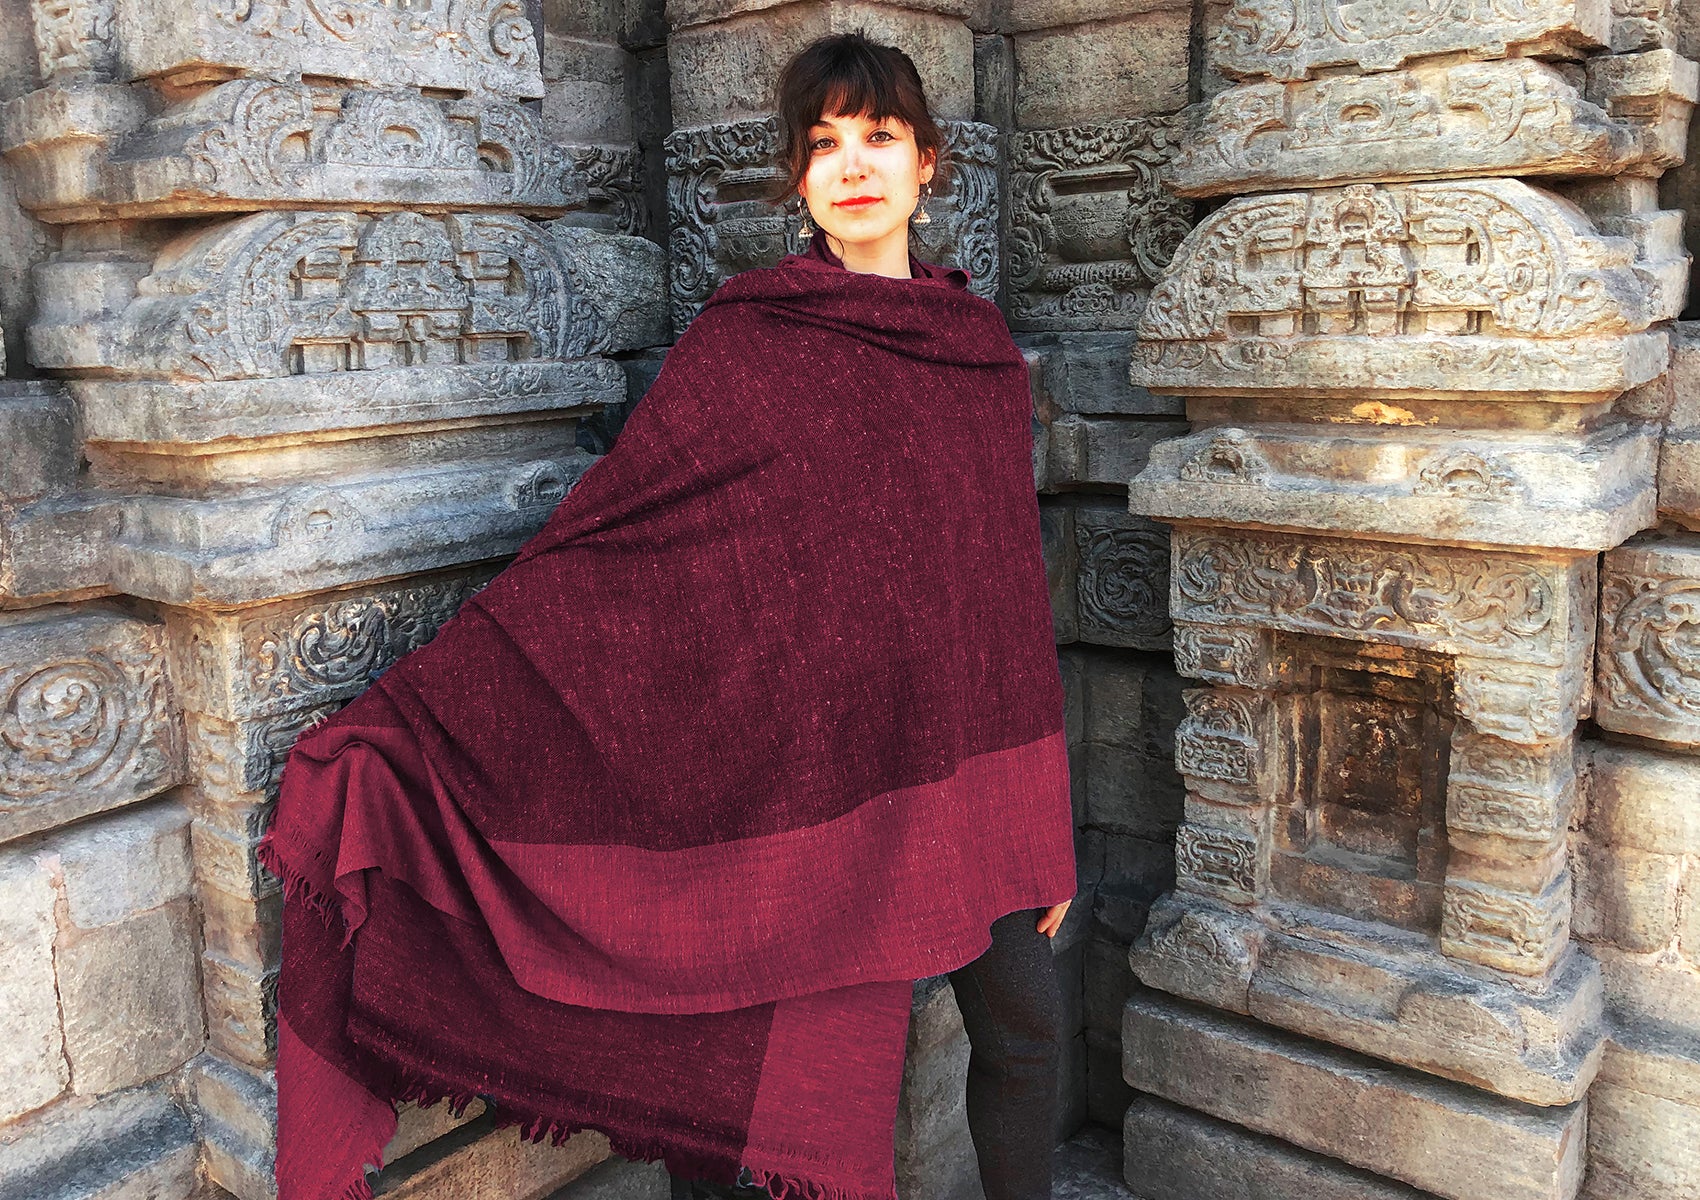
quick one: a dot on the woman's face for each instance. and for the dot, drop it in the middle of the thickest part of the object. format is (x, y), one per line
(851, 157)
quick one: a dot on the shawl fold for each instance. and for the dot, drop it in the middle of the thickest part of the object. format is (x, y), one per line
(764, 724)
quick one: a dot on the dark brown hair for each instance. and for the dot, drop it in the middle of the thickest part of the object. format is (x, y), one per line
(856, 76)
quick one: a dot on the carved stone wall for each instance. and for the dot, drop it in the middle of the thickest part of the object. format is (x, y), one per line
(1426, 348)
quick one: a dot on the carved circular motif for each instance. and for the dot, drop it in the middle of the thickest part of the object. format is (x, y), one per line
(60, 726)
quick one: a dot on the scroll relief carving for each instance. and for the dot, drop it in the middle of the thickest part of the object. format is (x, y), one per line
(73, 39)
(1091, 225)
(1648, 666)
(1515, 117)
(717, 176)
(1218, 738)
(1123, 584)
(279, 294)
(1421, 286)
(1220, 655)
(1509, 930)
(1450, 600)
(253, 142)
(1522, 793)
(1288, 39)
(613, 176)
(485, 46)
(1215, 862)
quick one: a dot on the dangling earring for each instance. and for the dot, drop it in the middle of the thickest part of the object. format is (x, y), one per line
(921, 216)
(805, 231)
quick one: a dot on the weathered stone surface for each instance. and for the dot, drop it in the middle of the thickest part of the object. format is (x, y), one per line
(485, 46)
(1514, 117)
(1122, 581)
(1084, 450)
(717, 176)
(85, 697)
(1648, 661)
(134, 1145)
(129, 995)
(1383, 992)
(95, 152)
(1086, 373)
(684, 13)
(237, 1106)
(125, 863)
(1290, 39)
(1091, 225)
(1173, 1153)
(280, 294)
(35, 423)
(1644, 1119)
(1136, 62)
(724, 70)
(1643, 799)
(618, 1179)
(1497, 488)
(32, 1052)
(1626, 897)
(1454, 1141)
(1409, 290)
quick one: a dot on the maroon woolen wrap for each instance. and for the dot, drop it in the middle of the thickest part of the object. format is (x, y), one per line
(763, 725)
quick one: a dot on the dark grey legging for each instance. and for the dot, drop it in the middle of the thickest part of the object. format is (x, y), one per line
(1012, 1008)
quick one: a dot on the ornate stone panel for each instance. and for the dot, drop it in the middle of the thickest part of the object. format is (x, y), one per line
(1520, 796)
(613, 175)
(1507, 929)
(1121, 588)
(1514, 117)
(1502, 607)
(1470, 288)
(1290, 39)
(304, 293)
(1220, 747)
(1220, 863)
(1397, 999)
(1648, 664)
(1091, 225)
(718, 174)
(86, 722)
(1585, 492)
(94, 152)
(466, 45)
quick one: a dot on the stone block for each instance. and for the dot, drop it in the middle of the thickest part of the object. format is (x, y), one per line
(480, 1162)
(1661, 989)
(1121, 797)
(714, 63)
(1451, 1140)
(1587, 492)
(132, 1145)
(1086, 372)
(237, 1106)
(618, 1179)
(92, 729)
(1430, 315)
(32, 1051)
(721, 225)
(1088, 450)
(1644, 1121)
(480, 46)
(1382, 992)
(1133, 64)
(130, 995)
(127, 863)
(586, 84)
(1056, 541)
(1514, 117)
(1647, 665)
(1091, 224)
(1109, 982)
(1291, 39)
(241, 1009)
(1625, 897)
(36, 425)
(96, 153)
(1173, 1153)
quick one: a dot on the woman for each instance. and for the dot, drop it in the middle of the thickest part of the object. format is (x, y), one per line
(655, 834)
(864, 179)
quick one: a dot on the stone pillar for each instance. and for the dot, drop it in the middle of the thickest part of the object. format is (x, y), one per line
(329, 308)
(1404, 339)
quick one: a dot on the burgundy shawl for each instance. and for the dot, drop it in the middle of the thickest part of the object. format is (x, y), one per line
(764, 724)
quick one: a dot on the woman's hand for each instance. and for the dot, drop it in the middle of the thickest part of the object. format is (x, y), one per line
(1053, 918)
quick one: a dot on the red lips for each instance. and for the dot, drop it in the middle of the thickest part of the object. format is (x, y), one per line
(858, 201)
